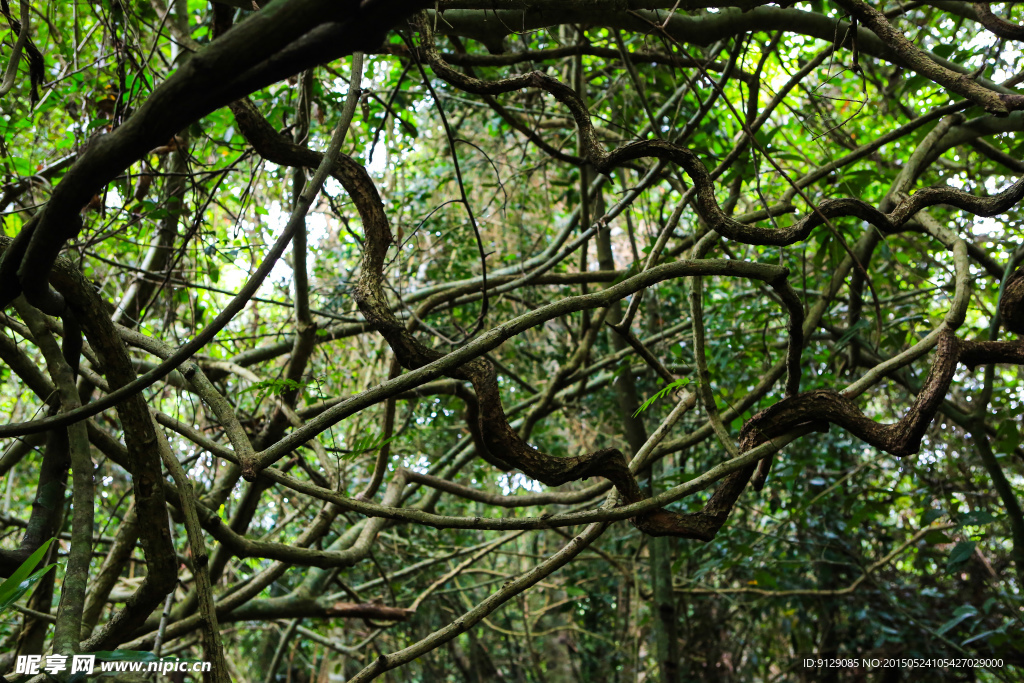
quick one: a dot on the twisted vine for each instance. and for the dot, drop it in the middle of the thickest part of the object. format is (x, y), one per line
(495, 439)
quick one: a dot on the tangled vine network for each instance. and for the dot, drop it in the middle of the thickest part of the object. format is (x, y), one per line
(312, 280)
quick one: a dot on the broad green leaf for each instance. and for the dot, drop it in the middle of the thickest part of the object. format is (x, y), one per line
(18, 583)
(961, 552)
(960, 615)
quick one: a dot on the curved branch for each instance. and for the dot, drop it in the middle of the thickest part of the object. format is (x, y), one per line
(997, 25)
(706, 203)
(277, 42)
(142, 461)
(12, 66)
(994, 102)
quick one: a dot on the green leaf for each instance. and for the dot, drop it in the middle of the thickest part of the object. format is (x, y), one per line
(935, 537)
(961, 614)
(369, 444)
(22, 166)
(977, 518)
(679, 383)
(930, 515)
(96, 123)
(273, 386)
(1007, 437)
(959, 555)
(765, 138)
(18, 583)
(984, 634)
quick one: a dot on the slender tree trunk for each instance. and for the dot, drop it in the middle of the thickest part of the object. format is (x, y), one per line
(663, 606)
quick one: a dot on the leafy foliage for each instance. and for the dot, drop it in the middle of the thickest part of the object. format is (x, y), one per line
(662, 393)
(23, 578)
(380, 525)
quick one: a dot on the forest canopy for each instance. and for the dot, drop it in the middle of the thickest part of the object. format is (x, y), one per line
(473, 340)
